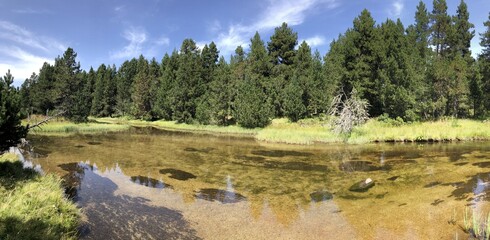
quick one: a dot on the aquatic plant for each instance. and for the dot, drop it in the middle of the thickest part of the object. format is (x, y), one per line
(476, 225)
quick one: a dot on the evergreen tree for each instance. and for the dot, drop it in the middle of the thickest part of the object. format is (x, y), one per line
(188, 80)
(11, 130)
(282, 44)
(322, 89)
(361, 61)
(462, 34)
(253, 107)
(124, 80)
(69, 87)
(422, 30)
(441, 27)
(395, 74)
(26, 93)
(42, 90)
(484, 64)
(141, 91)
(206, 105)
(166, 90)
(99, 99)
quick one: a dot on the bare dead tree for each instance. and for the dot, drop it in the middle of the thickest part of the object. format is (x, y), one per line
(349, 111)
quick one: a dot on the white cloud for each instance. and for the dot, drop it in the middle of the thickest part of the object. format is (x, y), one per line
(14, 33)
(136, 38)
(396, 8)
(21, 63)
(24, 52)
(314, 41)
(293, 12)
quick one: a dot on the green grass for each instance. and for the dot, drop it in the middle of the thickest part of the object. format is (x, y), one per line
(33, 206)
(63, 127)
(174, 126)
(309, 131)
(477, 226)
(443, 130)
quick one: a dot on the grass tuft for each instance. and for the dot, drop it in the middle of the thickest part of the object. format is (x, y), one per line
(33, 206)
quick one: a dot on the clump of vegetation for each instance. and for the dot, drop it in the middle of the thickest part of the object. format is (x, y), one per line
(33, 206)
(476, 225)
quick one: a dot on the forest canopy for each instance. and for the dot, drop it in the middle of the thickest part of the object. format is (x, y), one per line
(420, 72)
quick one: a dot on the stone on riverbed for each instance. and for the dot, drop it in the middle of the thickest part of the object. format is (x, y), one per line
(362, 186)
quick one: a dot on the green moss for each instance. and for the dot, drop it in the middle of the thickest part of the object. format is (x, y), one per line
(33, 206)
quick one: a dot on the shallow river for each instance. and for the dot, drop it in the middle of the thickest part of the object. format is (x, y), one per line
(152, 184)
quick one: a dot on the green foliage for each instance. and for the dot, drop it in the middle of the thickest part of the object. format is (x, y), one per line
(11, 131)
(253, 110)
(189, 79)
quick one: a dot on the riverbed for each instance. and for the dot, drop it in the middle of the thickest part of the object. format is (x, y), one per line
(152, 184)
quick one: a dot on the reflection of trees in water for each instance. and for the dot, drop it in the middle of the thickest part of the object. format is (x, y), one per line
(112, 216)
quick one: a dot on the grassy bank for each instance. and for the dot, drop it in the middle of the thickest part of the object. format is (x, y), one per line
(174, 126)
(33, 206)
(60, 126)
(310, 131)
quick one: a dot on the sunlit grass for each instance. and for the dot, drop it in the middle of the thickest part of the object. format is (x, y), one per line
(33, 206)
(443, 130)
(62, 127)
(174, 126)
(309, 131)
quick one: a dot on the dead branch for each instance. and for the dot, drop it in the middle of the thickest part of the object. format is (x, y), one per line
(47, 119)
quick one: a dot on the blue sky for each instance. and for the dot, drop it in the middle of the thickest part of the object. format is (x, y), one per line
(109, 31)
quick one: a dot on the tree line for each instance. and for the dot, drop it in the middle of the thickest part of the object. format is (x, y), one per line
(420, 72)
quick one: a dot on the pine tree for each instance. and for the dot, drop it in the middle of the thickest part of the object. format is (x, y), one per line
(484, 64)
(99, 99)
(462, 34)
(11, 130)
(253, 105)
(188, 80)
(441, 27)
(124, 80)
(361, 61)
(42, 90)
(422, 30)
(166, 90)
(141, 91)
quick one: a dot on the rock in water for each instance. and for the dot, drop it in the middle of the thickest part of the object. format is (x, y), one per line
(362, 186)
(320, 196)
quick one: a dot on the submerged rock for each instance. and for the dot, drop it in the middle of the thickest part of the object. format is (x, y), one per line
(362, 186)
(320, 196)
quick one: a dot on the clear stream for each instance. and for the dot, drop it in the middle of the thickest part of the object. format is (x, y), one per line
(153, 184)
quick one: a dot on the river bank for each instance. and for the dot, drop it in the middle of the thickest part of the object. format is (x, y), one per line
(309, 131)
(33, 205)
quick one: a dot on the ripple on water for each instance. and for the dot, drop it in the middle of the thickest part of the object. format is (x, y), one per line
(222, 196)
(178, 174)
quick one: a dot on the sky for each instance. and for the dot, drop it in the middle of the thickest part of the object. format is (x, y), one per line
(111, 31)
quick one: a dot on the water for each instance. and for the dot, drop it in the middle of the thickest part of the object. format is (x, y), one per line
(151, 184)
